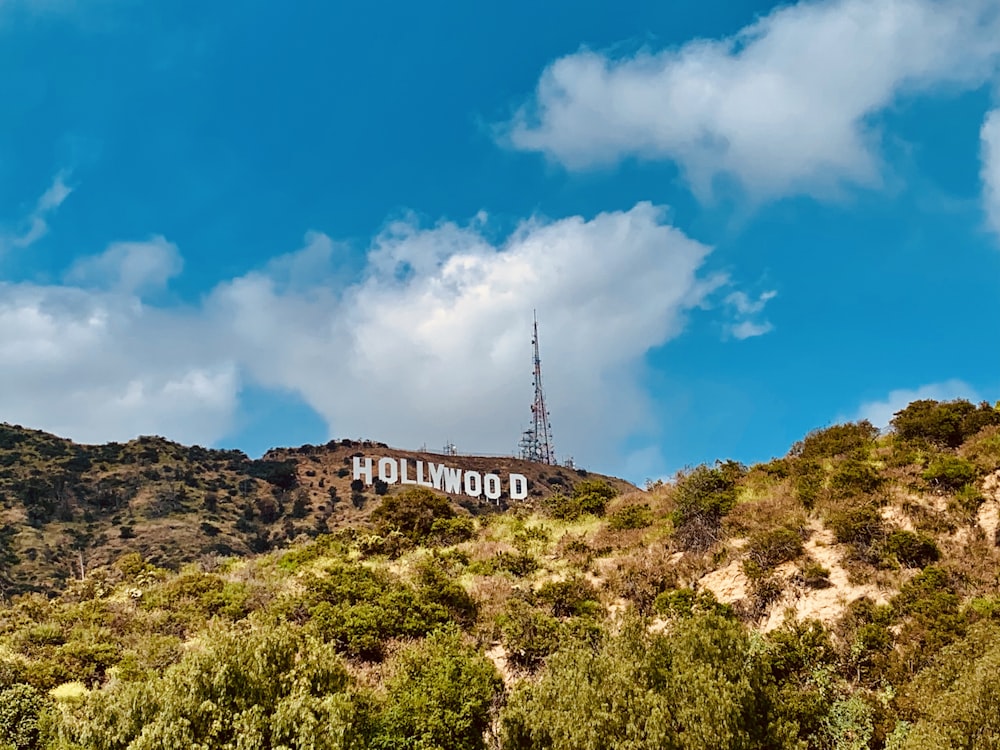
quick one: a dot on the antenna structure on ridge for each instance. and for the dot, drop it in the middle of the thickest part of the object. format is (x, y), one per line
(536, 441)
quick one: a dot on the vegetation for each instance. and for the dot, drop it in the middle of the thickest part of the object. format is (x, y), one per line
(842, 596)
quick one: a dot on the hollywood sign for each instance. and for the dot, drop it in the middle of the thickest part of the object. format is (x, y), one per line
(439, 477)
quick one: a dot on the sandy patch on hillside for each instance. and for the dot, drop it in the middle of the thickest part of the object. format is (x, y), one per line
(989, 511)
(827, 604)
(498, 655)
(730, 585)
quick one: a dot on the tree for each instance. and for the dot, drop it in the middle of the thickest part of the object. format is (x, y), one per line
(440, 693)
(258, 685)
(20, 707)
(943, 423)
(697, 686)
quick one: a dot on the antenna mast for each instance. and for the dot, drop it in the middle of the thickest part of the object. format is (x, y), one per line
(536, 441)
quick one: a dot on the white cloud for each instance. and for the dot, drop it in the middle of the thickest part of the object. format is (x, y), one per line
(748, 329)
(784, 106)
(434, 342)
(35, 225)
(743, 308)
(880, 413)
(990, 173)
(431, 343)
(130, 267)
(99, 366)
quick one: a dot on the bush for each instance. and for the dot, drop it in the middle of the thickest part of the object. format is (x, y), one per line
(436, 586)
(589, 497)
(260, 686)
(359, 610)
(686, 602)
(527, 634)
(854, 478)
(440, 695)
(593, 495)
(571, 597)
(813, 575)
(449, 531)
(860, 525)
(769, 548)
(943, 423)
(696, 687)
(703, 497)
(950, 472)
(412, 512)
(20, 707)
(854, 439)
(808, 477)
(519, 564)
(912, 550)
(631, 517)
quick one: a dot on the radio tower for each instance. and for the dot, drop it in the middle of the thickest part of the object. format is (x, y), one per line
(536, 442)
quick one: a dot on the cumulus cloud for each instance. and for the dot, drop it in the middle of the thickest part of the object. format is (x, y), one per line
(35, 225)
(786, 105)
(98, 366)
(990, 173)
(434, 341)
(430, 343)
(129, 267)
(90, 360)
(880, 413)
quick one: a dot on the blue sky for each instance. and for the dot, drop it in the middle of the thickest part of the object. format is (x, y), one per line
(256, 224)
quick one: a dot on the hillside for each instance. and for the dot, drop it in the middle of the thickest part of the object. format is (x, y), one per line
(845, 595)
(67, 508)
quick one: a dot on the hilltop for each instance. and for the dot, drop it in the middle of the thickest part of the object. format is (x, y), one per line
(844, 595)
(67, 508)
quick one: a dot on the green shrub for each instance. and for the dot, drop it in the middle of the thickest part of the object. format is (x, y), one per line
(449, 531)
(853, 439)
(968, 499)
(593, 495)
(527, 634)
(518, 563)
(813, 575)
(702, 498)
(256, 686)
(853, 478)
(197, 595)
(588, 497)
(860, 525)
(440, 693)
(359, 610)
(412, 512)
(950, 472)
(808, 478)
(696, 687)
(436, 586)
(573, 596)
(631, 517)
(912, 550)
(769, 548)
(943, 423)
(686, 602)
(20, 707)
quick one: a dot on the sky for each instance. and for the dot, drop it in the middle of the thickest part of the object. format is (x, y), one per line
(259, 224)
